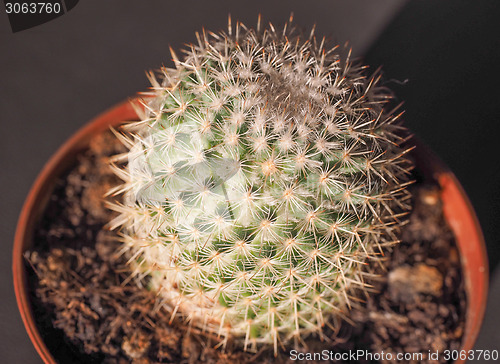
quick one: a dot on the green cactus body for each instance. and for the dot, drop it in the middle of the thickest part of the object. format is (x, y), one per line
(263, 177)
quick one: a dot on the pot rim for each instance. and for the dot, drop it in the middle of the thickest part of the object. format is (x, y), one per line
(457, 209)
(472, 247)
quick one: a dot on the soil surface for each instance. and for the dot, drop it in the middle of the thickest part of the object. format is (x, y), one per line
(89, 312)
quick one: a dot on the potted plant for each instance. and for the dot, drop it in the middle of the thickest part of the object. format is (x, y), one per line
(265, 186)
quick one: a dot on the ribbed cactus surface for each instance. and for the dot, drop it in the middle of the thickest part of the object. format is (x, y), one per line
(263, 177)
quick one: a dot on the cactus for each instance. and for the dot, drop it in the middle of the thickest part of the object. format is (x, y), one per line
(264, 176)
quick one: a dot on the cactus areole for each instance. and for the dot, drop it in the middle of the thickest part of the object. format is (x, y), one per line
(263, 180)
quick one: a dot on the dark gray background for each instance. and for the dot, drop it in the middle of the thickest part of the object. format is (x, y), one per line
(57, 76)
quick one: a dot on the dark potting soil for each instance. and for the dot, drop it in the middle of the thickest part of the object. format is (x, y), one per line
(88, 311)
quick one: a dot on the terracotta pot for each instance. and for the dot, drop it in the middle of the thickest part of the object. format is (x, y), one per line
(457, 209)
(462, 220)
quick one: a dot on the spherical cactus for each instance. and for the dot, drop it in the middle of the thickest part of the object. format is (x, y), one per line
(263, 177)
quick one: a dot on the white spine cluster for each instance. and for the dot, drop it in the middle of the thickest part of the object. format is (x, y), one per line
(264, 175)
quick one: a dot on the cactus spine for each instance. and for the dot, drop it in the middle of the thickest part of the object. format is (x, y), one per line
(263, 177)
